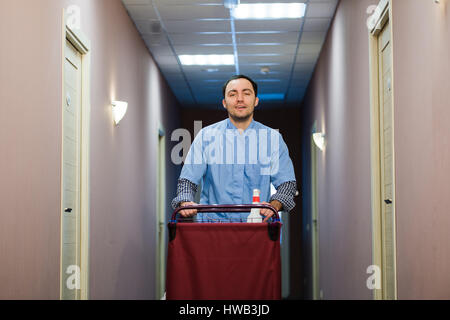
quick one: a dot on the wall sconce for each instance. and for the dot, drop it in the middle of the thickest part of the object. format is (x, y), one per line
(119, 109)
(319, 140)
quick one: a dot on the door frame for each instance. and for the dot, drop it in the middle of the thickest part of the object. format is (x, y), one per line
(314, 218)
(383, 15)
(83, 45)
(161, 215)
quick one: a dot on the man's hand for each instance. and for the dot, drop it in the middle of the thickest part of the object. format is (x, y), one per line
(187, 213)
(267, 213)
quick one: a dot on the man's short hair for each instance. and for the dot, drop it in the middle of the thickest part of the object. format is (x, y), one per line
(240, 76)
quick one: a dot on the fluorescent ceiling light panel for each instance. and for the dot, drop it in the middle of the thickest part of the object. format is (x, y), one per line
(271, 96)
(269, 11)
(206, 60)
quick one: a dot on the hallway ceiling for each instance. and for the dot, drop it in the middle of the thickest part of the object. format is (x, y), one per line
(288, 47)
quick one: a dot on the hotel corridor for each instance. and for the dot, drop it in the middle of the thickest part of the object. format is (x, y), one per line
(101, 99)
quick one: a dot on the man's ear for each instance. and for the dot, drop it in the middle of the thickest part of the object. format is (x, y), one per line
(256, 101)
(224, 104)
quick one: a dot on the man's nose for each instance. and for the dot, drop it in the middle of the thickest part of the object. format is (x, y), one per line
(240, 96)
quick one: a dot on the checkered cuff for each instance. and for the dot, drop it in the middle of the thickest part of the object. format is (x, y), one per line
(186, 191)
(285, 194)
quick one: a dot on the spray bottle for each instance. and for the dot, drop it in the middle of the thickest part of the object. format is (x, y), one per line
(254, 215)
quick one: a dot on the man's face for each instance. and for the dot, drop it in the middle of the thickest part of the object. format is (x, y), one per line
(240, 99)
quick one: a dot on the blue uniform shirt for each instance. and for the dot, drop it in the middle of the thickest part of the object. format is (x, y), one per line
(229, 164)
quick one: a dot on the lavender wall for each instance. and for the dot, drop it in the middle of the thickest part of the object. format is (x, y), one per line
(338, 99)
(422, 150)
(123, 158)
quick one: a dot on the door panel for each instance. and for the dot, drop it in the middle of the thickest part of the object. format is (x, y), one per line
(70, 213)
(386, 163)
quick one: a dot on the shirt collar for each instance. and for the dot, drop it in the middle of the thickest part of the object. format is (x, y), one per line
(230, 125)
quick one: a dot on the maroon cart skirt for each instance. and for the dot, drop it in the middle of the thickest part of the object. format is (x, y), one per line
(218, 261)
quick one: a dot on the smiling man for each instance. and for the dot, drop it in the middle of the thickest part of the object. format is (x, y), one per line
(233, 157)
(240, 100)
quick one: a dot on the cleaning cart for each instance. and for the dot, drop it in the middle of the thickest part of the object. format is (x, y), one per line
(224, 260)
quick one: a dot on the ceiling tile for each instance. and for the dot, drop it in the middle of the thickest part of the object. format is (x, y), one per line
(316, 24)
(255, 58)
(281, 37)
(189, 12)
(313, 37)
(286, 49)
(170, 68)
(303, 67)
(309, 48)
(268, 88)
(142, 12)
(148, 26)
(190, 26)
(186, 49)
(175, 78)
(299, 77)
(181, 2)
(197, 72)
(160, 50)
(155, 39)
(195, 38)
(306, 58)
(166, 60)
(321, 10)
(276, 68)
(268, 25)
(299, 83)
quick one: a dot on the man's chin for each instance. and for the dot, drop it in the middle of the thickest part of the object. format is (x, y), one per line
(241, 118)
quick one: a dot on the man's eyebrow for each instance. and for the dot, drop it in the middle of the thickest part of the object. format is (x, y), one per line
(234, 90)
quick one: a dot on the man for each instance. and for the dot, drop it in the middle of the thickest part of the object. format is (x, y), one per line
(232, 157)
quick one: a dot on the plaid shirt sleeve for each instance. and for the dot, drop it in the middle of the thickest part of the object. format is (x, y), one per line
(285, 194)
(186, 191)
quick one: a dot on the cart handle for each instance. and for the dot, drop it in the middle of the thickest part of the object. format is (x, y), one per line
(228, 208)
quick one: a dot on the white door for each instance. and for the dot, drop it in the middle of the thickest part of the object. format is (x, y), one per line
(70, 213)
(386, 164)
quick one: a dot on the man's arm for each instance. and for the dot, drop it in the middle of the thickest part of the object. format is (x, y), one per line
(285, 195)
(283, 199)
(186, 191)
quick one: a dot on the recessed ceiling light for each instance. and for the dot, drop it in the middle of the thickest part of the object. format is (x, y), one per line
(211, 70)
(271, 96)
(265, 70)
(206, 60)
(269, 11)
